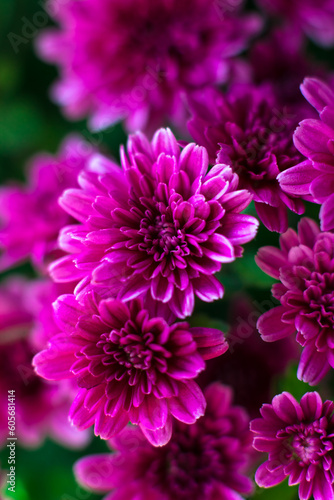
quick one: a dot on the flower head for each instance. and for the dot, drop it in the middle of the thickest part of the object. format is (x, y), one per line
(299, 440)
(313, 179)
(249, 130)
(161, 226)
(30, 215)
(313, 17)
(305, 267)
(136, 59)
(204, 460)
(129, 364)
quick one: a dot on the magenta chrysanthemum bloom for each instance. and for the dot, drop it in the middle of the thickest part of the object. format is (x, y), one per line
(129, 364)
(299, 440)
(136, 60)
(305, 267)
(249, 129)
(30, 215)
(41, 408)
(207, 460)
(161, 225)
(313, 179)
(313, 17)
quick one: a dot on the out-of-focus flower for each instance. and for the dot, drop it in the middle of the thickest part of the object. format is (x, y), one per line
(313, 179)
(250, 366)
(250, 130)
(136, 60)
(313, 17)
(299, 440)
(41, 408)
(207, 460)
(305, 267)
(281, 59)
(30, 215)
(129, 364)
(160, 226)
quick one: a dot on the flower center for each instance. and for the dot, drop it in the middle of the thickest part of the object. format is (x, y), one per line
(188, 463)
(161, 236)
(265, 135)
(306, 448)
(305, 443)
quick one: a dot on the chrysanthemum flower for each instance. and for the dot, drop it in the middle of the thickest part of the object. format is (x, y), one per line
(313, 179)
(30, 215)
(313, 17)
(41, 408)
(206, 460)
(135, 59)
(299, 440)
(249, 129)
(161, 225)
(305, 267)
(129, 364)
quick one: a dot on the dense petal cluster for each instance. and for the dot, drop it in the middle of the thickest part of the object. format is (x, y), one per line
(313, 17)
(207, 460)
(249, 129)
(30, 215)
(299, 440)
(313, 179)
(160, 226)
(135, 60)
(305, 267)
(129, 365)
(41, 408)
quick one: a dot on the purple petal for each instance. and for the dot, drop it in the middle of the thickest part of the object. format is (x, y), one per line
(311, 138)
(67, 312)
(77, 203)
(271, 326)
(159, 437)
(296, 180)
(107, 427)
(194, 161)
(189, 405)
(208, 288)
(311, 404)
(270, 260)
(266, 479)
(96, 472)
(317, 93)
(308, 231)
(183, 302)
(165, 142)
(322, 187)
(219, 248)
(210, 342)
(327, 214)
(274, 218)
(313, 365)
(55, 362)
(153, 413)
(287, 408)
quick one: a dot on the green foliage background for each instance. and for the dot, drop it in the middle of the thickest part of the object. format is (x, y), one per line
(30, 123)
